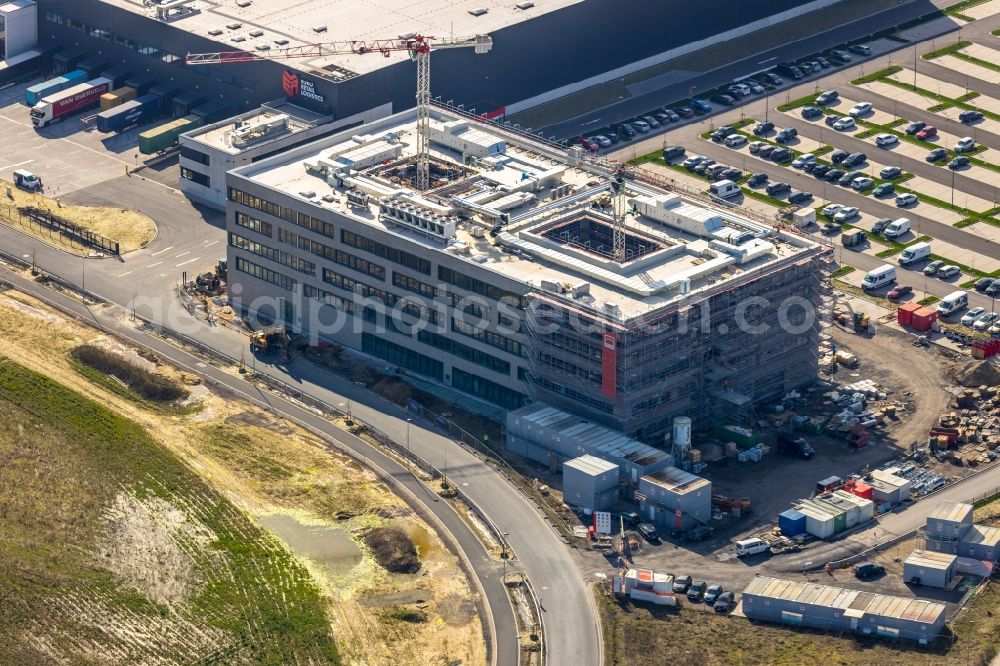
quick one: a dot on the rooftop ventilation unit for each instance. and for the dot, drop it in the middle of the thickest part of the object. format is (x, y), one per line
(412, 216)
(244, 3)
(478, 11)
(167, 10)
(260, 130)
(257, 33)
(525, 5)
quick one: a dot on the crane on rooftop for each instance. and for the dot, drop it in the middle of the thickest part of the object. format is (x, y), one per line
(418, 47)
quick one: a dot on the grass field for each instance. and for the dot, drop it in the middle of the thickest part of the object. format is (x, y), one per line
(113, 548)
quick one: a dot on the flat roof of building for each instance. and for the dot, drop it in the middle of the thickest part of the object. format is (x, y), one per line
(257, 128)
(885, 476)
(267, 23)
(930, 559)
(593, 465)
(551, 214)
(853, 602)
(951, 511)
(988, 536)
(676, 480)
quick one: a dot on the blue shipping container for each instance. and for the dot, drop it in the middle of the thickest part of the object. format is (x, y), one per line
(130, 113)
(792, 523)
(35, 93)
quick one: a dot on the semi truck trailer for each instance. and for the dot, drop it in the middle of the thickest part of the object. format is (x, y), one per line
(35, 93)
(67, 102)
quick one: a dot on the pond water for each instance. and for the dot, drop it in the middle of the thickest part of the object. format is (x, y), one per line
(329, 547)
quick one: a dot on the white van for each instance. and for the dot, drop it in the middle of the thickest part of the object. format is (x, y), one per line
(879, 277)
(725, 189)
(953, 302)
(914, 253)
(751, 547)
(897, 228)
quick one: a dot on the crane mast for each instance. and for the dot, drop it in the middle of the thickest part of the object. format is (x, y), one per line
(418, 47)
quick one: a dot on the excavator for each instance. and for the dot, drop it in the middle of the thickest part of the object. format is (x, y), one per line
(269, 340)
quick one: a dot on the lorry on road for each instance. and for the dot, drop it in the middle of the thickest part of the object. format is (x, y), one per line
(35, 93)
(67, 102)
(134, 112)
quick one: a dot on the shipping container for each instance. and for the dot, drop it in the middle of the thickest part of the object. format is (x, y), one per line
(166, 92)
(865, 507)
(904, 315)
(117, 75)
(184, 104)
(117, 97)
(135, 112)
(141, 83)
(213, 112)
(66, 61)
(93, 67)
(923, 319)
(859, 489)
(164, 136)
(35, 93)
(819, 522)
(792, 522)
(745, 437)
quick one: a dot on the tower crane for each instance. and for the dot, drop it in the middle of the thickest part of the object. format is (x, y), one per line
(418, 47)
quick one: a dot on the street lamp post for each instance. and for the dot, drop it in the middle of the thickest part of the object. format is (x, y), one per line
(503, 554)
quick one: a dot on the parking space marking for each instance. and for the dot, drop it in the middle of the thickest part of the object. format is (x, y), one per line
(187, 262)
(124, 274)
(178, 256)
(210, 244)
(14, 166)
(156, 264)
(162, 251)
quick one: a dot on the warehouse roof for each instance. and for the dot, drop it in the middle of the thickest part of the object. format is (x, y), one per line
(592, 465)
(956, 512)
(930, 559)
(676, 480)
(269, 22)
(988, 536)
(852, 602)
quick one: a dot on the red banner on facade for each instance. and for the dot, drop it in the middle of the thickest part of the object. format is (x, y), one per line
(609, 362)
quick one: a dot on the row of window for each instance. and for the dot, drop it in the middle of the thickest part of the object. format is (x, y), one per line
(402, 356)
(487, 336)
(265, 274)
(187, 152)
(253, 224)
(468, 283)
(358, 264)
(195, 177)
(466, 352)
(577, 396)
(283, 258)
(485, 389)
(395, 255)
(218, 73)
(350, 284)
(414, 285)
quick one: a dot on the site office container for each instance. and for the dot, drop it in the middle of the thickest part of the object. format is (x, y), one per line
(116, 97)
(904, 315)
(819, 521)
(163, 136)
(924, 318)
(865, 507)
(839, 513)
(792, 522)
(859, 489)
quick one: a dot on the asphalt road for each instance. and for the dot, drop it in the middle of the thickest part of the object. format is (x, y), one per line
(634, 106)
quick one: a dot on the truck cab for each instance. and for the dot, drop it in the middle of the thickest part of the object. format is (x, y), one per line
(27, 180)
(791, 445)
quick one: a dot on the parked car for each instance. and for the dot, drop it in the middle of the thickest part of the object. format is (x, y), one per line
(906, 199)
(809, 166)
(936, 155)
(834, 175)
(627, 131)
(965, 144)
(791, 445)
(933, 267)
(641, 125)
(823, 62)
(861, 109)
(860, 49)
(984, 322)
(840, 56)
(613, 136)
(899, 291)
(811, 112)
(969, 117)
(651, 121)
(846, 213)
(673, 152)
(732, 173)
(763, 128)
(799, 197)
(755, 146)
(588, 143)
(831, 228)
(602, 140)
(741, 89)
(725, 603)
(970, 317)
(844, 124)
(681, 584)
(725, 100)
(684, 111)
(983, 283)
(756, 88)
(868, 570)
(786, 135)
(830, 210)
(662, 118)
(721, 133)
(781, 155)
(948, 272)
(838, 156)
(827, 97)
(802, 160)
(712, 593)
(854, 159)
(700, 106)
(885, 140)
(692, 162)
(915, 127)
(757, 179)
(830, 121)
(927, 133)
(735, 140)
(697, 590)
(699, 533)
(821, 170)
(848, 178)
(993, 289)
(880, 224)
(772, 78)
(890, 172)
(672, 115)
(883, 190)
(807, 67)
(959, 162)
(777, 189)
(648, 532)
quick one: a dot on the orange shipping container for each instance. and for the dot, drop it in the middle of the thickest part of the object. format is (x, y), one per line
(904, 316)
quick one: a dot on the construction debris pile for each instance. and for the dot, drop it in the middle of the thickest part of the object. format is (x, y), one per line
(970, 434)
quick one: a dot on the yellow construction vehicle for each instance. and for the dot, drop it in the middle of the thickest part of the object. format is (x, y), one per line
(269, 339)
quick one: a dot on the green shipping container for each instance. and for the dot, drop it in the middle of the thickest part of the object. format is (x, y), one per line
(743, 439)
(163, 136)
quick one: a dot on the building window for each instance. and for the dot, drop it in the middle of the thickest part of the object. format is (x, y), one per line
(791, 618)
(485, 389)
(492, 292)
(359, 264)
(465, 352)
(394, 255)
(265, 274)
(577, 396)
(489, 337)
(195, 177)
(355, 287)
(253, 224)
(172, 59)
(53, 17)
(194, 155)
(413, 284)
(269, 207)
(261, 250)
(75, 25)
(402, 356)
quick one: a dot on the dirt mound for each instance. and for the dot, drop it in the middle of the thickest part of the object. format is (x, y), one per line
(393, 549)
(972, 374)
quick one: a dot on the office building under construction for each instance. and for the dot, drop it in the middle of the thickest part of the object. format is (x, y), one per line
(524, 273)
